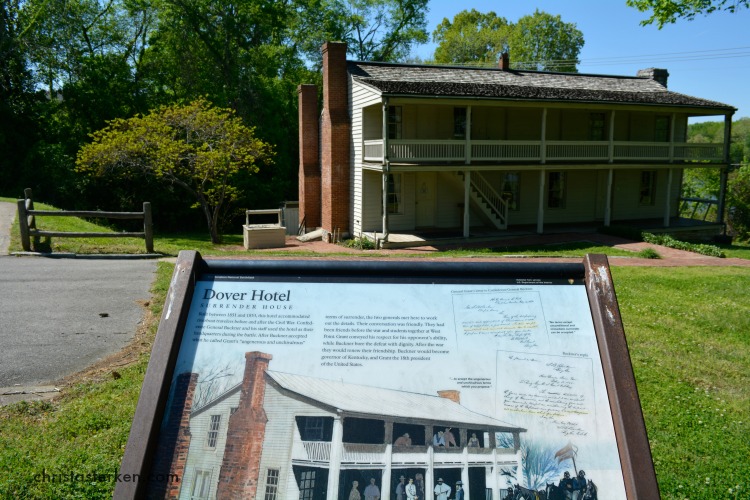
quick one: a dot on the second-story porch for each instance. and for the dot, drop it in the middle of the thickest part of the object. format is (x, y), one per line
(537, 151)
(408, 131)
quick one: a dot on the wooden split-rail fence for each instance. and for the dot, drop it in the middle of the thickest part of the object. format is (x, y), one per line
(29, 232)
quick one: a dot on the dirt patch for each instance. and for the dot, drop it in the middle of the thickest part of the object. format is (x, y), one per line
(107, 367)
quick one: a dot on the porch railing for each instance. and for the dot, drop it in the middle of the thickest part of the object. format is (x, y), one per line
(363, 453)
(698, 208)
(419, 151)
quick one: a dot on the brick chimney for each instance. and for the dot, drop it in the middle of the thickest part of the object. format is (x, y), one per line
(657, 74)
(174, 441)
(335, 133)
(240, 467)
(452, 394)
(309, 156)
(504, 62)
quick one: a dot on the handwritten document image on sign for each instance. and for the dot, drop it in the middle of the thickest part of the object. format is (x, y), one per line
(511, 318)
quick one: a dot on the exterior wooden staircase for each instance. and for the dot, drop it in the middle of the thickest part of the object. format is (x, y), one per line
(484, 199)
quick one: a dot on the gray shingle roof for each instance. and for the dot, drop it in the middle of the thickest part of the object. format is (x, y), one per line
(367, 400)
(364, 400)
(450, 81)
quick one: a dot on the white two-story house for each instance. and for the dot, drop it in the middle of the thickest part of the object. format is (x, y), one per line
(279, 436)
(404, 150)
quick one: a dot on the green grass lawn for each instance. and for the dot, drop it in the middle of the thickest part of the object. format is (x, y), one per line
(171, 244)
(687, 330)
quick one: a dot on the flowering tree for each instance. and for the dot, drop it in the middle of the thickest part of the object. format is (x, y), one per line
(200, 148)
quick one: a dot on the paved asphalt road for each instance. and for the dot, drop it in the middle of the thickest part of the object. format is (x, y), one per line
(58, 316)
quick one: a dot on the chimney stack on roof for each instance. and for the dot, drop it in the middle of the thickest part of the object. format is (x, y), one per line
(451, 394)
(504, 62)
(657, 74)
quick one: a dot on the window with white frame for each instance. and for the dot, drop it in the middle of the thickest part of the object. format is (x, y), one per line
(556, 190)
(201, 488)
(213, 431)
(510, 189)
(272, 484)
(647, 190)
(394, 122)
(314, 428)
(307, 485)
(394, 196)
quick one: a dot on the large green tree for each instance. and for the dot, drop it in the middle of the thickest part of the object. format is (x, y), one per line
(18, 129)
(384, 30)
(544, 42)
(77, 64)
(202, 149)
(539, 41)
(669, 11)
(471, 37)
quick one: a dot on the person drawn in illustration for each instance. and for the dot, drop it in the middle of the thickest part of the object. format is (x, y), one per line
(401, 488)
(419, 481)
(372, 492)
(473, 440)
(442, 490)
(354, 494)
(579, 485)
(438, 439)
(449, 438)
(404, 440)
(411, 490)
(566, 485)
(459, 491)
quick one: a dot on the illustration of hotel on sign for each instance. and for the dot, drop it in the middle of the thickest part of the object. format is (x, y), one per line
(279, 436)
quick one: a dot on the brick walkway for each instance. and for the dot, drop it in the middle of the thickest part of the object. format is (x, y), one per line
(670, 257)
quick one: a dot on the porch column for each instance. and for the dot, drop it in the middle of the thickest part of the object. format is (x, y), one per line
(540, 210)
(385, 131)
(467, 193)
(720, 207)
(385, 205)
(671, 137)
(608, 202)
(467, 139)
(495, 475)
(724, 171)
(429, 475)
(543, 152)
(667, 195)
(465, 473)
(334, 466)
(611, 148)
(385, 483)
(386, 169)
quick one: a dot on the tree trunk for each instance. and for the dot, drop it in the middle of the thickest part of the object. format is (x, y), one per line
(213, 229)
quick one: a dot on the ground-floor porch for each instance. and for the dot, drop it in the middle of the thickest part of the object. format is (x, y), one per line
(681, 228)
(409, 207)
(480, 482)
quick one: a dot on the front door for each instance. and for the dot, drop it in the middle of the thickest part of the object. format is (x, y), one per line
(426, 198)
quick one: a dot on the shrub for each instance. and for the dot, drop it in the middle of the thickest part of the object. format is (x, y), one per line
(667, 241)
(649, 253)
(360, 243)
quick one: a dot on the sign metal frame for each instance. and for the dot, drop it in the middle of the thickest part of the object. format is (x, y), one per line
(629, 426)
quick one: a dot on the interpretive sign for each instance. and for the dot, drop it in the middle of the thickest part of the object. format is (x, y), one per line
(391, 380)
